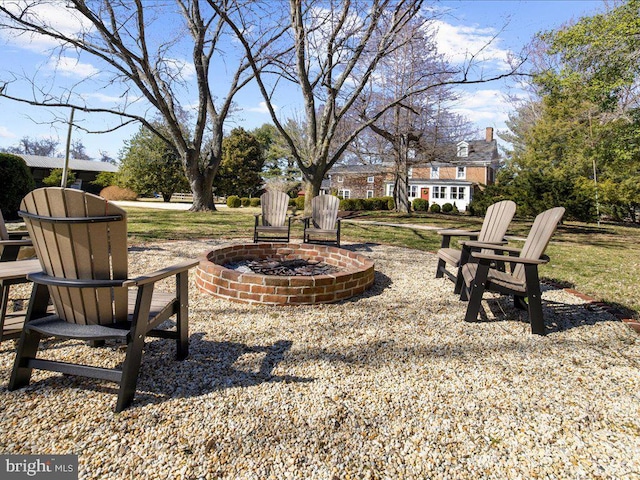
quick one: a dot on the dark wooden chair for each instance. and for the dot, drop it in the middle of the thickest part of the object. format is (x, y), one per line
(13, 245)
(81, 242)
(494, 227)
(521, 281)
(273, 224)
(323, 226)
(12, 242)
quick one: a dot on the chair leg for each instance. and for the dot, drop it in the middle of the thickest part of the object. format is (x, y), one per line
(477, 290)
(534, 295)
(130, 370)
(520, 303)
(133, 359)
(439, 269)
(459, 282)
(182, 320)
(27, 350)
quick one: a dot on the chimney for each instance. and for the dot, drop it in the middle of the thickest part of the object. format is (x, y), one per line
(489, 134)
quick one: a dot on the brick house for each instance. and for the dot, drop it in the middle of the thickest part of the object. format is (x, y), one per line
(453, 179)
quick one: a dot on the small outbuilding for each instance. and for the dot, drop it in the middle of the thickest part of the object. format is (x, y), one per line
(84, 170)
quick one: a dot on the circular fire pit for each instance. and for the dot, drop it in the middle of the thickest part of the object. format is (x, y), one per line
(351, 274)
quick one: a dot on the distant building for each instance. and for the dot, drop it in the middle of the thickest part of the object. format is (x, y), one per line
(84, 170)
(451, 179)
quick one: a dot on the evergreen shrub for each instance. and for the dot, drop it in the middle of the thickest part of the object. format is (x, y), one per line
(17, 181)
(420, 205)
(233, 201)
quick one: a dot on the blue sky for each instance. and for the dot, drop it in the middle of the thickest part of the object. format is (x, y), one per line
(466, 24)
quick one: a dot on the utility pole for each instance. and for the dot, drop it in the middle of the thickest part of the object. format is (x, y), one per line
(65, 170)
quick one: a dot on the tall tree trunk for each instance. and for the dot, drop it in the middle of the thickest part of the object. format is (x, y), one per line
(201, 183)
(311, 190)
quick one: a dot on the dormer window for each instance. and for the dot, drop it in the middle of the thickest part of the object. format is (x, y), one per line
(463, 149)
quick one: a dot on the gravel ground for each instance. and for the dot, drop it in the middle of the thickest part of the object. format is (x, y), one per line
(392, 384)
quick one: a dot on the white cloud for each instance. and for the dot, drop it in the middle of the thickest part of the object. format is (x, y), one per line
(484, 108)
(459, 43)
(6, 133)
(72, 67)
(261, 108)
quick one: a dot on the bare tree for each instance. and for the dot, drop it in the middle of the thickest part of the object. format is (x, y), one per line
(337, 48)
(45, 147)
(143, 49)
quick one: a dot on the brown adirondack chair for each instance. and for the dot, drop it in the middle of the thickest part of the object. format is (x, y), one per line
(522, 281)
(273, 224)
(323, 226)
(81, 242)
(494, 227)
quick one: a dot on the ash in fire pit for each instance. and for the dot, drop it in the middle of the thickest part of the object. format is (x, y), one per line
(289, 268)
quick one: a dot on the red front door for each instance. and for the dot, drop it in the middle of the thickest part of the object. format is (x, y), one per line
(424, 193)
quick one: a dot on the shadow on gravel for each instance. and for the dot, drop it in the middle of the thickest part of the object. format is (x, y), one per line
(210, 366)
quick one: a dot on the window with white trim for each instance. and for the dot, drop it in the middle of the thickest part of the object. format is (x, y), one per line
(339, 178)
(457, 193)
(463, 149)
(435, 172)
(439, 192)
(344, 193)
(413, 191)
(369, 193)
(461, 173)
(410, 172)
(390, 190)
(370, 179)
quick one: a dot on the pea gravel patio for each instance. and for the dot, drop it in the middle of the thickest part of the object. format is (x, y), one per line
(391, 384)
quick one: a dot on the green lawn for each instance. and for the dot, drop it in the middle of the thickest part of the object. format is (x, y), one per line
(602, 262)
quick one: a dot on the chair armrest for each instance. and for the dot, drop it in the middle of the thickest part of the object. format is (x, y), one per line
(502, 258)
(452, 232)
(16, 243)
(44, 279)
(490, 246)
(160, 274)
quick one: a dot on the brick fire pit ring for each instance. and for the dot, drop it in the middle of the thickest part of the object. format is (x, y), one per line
(355, 275)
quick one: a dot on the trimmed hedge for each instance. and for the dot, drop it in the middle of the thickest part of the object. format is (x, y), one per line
(376, 203)
(434, 208)
(420, 205)
(255, 202)
(17, 181)
(245, 201)
(447, 208)
(234, 201)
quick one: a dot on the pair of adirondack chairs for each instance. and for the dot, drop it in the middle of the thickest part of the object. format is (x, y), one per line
(81, 242)
(483, 259)
(273, 224)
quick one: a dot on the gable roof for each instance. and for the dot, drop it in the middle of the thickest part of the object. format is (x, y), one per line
(37, 161)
